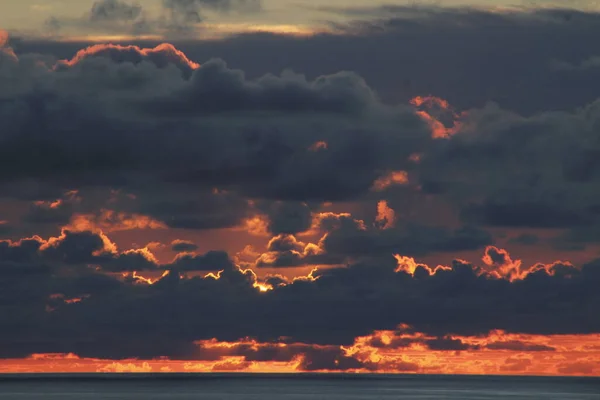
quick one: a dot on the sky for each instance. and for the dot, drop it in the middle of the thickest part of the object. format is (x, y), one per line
(71, 18)
(237, 185)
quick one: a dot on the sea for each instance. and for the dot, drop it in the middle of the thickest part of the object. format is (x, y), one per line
(294, 387)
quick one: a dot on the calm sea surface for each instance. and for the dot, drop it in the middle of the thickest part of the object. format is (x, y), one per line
(267, 387)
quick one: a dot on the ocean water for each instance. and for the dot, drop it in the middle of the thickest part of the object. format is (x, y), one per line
(272, 387)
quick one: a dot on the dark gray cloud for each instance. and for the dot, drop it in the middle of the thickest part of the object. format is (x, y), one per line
(127, 262)
(344, 303)
(196, 6)
(349, 237)
(232, 146)
(114, 10)
(526, 239)
(211, 261)
(288, 217)
(188, 140)
(273, 166)
(185, 16)
(290, 259)
(466, 56)
(516, 345)
(346, 239)
(195, 208)
(177, 18)
(76, 248)
(503, 169)
(214, 87)
(106, 16)
(57, 211)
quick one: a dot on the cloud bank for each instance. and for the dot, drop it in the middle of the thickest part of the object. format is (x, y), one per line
(223, 215)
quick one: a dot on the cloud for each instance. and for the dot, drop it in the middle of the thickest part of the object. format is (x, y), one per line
(254, 156)
(289, 218)
(286, 250)
(350, 237)
(195, 6)
(351, 175)
(402, 33)
(526, 239)
(273, 161)
(178, 18)
(111, 221)
(228, 90)
(519, 346)
(344, 238)
(211, 261)
(183, 246)
(104, 17)
(184, 17)
(58, 211)
(344, 302)
(161, 56)
(506, 170)
(114, 10)
(77, 248)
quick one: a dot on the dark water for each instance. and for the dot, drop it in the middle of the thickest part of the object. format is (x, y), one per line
(271, 387)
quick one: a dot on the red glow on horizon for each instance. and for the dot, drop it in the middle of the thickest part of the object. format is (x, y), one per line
(399, 351)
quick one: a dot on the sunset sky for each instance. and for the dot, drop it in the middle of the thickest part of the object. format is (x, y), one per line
(300, 185)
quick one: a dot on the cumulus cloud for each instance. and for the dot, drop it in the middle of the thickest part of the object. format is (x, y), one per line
(289, 217)
(160, 56)
(327, 173)
(352, 237)
(345, 302)
(183, 246)
(263, 158)
(211, 261)
(514, 171)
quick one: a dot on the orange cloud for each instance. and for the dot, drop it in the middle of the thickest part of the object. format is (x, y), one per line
(71, 196)
(497, 264)
(4, 47)
(431, 109)
(409, 265)
(112, 221)
(3, 38)
(317, 220)
(257, 225)
(164, 48)
(108, 247)
(318, 146)
(137, 278)
(386, 216)
(391, 178)
(430, 102)
(131, 367)
(380, 352)
(62, 297)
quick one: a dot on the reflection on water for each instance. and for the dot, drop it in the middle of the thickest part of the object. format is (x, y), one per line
(265, 387)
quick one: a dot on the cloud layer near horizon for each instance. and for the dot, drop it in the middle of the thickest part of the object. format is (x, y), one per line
(323, 196)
